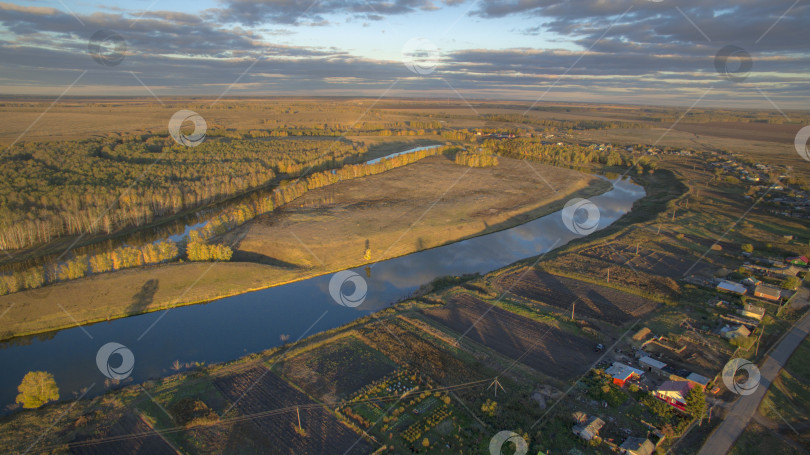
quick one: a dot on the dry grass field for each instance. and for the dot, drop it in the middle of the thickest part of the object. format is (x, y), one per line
(424, 205)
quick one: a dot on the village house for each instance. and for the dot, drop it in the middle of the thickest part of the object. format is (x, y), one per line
(637, 446)
(751, 281)
(652, 365)
(753, 311)
(674, 393)
(622, 373)
(697, 379)
(731, 333)
(588, 429)
(731, 286)
(767, 292)
(801, 261)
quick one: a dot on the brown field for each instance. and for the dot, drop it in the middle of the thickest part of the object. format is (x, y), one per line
(412, 348)
(781, 133)
(672, 263)
(548, 349)
(264, 391)
(329, 228)
(125, 425)
(592, 301)
(333, 371)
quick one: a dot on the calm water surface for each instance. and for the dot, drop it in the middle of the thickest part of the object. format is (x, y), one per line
(231, 327)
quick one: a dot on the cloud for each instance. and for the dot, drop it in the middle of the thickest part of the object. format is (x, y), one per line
(650, 52)
(252, 12)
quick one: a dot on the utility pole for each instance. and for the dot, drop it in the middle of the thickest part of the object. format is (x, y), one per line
(608, 277)
(496, 384)
(573, 307)
(659, 229)
(756, 350)
(297, 411)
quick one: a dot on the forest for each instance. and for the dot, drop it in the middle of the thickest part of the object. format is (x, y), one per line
(49, 190)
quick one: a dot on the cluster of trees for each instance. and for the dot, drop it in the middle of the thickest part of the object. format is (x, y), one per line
(475, 159)
(568, 154)
(198, 250)
(521, 148)
(103, 185)
(82, 265)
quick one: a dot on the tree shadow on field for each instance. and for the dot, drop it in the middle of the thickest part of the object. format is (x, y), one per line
(143, 298)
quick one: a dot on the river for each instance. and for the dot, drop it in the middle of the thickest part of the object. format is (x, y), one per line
(232, 327)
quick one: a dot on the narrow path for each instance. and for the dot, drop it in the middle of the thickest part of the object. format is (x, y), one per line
(722, 439)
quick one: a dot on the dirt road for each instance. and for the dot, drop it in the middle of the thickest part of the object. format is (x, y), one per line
(744, 408)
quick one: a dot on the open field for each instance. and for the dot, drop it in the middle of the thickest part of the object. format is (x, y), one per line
(564, 294)
(333, 371)
(786, 405)
(331, 228)
(413, 348)
(546, 348)
(257, 390)
(757, 440)
(126, 425)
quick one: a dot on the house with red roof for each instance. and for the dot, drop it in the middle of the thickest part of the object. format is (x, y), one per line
(674, 393)
(801, 261)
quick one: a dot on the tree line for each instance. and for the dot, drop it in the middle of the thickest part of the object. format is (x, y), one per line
(472, 159)
(103, 185)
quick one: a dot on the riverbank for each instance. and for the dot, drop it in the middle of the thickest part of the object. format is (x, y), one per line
(469, 203)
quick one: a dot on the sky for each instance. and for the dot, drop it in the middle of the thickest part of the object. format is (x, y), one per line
(734, 53)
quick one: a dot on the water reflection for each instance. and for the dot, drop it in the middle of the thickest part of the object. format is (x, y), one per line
(231, 327)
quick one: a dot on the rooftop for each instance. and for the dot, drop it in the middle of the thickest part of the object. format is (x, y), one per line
(769, 291)
(621, 371)
(675, 386)
(652, 362)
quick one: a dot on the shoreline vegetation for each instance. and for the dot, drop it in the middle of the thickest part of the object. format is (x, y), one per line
(141, 290)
